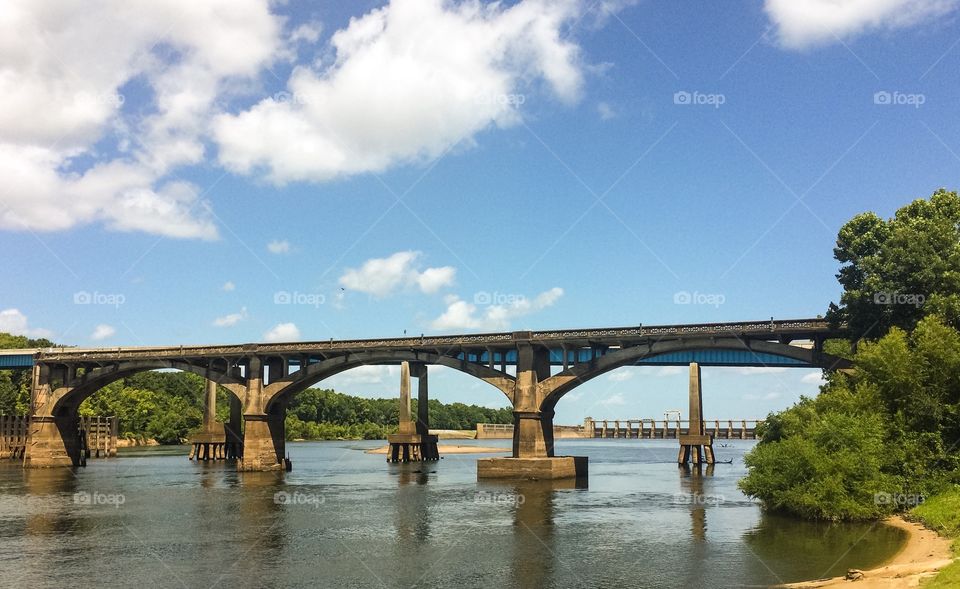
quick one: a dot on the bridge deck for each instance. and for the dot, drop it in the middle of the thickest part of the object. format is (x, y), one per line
(488, 348)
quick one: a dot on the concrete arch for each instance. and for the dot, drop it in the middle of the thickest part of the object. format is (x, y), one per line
(554, 388)
(314, 373)
(68, 398)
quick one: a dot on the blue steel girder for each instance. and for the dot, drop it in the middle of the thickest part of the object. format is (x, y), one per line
(705, 357)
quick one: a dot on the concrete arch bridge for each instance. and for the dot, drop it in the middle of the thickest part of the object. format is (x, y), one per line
(533, 370)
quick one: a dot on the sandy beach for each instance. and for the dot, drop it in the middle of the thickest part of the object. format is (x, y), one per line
(924, 553)
(452, 449)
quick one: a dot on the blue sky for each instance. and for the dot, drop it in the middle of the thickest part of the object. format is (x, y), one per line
(247, 171)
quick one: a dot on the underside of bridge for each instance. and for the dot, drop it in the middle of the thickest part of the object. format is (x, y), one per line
(533, 370)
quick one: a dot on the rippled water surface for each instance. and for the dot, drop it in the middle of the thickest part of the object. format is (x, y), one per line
(343, 518)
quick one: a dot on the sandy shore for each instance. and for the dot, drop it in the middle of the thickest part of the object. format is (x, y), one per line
(444, 449)
(924, 553)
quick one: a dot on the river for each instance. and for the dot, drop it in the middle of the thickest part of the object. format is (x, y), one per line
(343, 518)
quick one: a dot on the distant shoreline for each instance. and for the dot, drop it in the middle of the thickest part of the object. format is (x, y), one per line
(451, 449)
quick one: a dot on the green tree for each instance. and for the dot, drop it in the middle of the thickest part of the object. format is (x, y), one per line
(898, 271)
(890, 428)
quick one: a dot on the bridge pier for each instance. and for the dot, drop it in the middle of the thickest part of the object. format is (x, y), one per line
(533, 453)
(54, 441)
(413, 442)
(211, 442)
(264, 443)
(695, 445)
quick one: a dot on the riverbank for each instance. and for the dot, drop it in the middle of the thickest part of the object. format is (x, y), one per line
(922, 556)
(451, 449)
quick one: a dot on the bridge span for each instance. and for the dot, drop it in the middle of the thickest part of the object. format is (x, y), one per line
(533, 370)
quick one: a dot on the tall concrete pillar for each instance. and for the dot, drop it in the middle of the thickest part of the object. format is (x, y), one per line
(263, 434)
(406, 425)
(423, 398)
(696, 445)
(210, 406)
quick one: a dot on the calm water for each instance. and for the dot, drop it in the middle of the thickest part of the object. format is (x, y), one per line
(344, 518)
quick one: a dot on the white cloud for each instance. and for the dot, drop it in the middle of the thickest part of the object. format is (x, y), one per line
(616, 399)
(366, 375)
(308, 32)
(753, 370)
(620, 375)
(382, 277)
(279, 246)
(282, 332)
(231, 319)
(671, 370)
(408, 81)
(228, 286)
(102, 332)
(813, 378)
(14, 322)
(70, 153)
(766, 397)
(605, 111)
(463, 315)
(807, 23)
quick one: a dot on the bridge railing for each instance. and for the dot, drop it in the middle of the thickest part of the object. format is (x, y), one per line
(796, 327)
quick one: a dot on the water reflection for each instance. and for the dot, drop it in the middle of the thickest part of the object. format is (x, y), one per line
(412, 515)
(692, 485)
(788, 549)
(261, 525)
(53, 503)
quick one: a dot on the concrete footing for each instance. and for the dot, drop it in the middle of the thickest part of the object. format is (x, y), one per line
(556, 467)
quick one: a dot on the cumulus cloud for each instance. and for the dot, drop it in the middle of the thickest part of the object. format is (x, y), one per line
(621, 375)
(813, 378)
(382, 277)
(231, 319)
(228, 286)
(279, 246)
(365, 375)
(408, 81)
(282, 332)
(765, 397)
(463, 315)
(71, 153)
(753, 370)
(102, 332)
(605, 111)
(807, 23)
(614, 400)
(14, 322)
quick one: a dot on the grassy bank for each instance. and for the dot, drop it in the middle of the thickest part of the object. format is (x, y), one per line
(942, 514)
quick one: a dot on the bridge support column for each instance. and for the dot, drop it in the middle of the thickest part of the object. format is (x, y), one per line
(264, 443)
(533, 451)
(696, 445)
(413, 442)
(54, 441)
(210, 442)
(234, 428)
